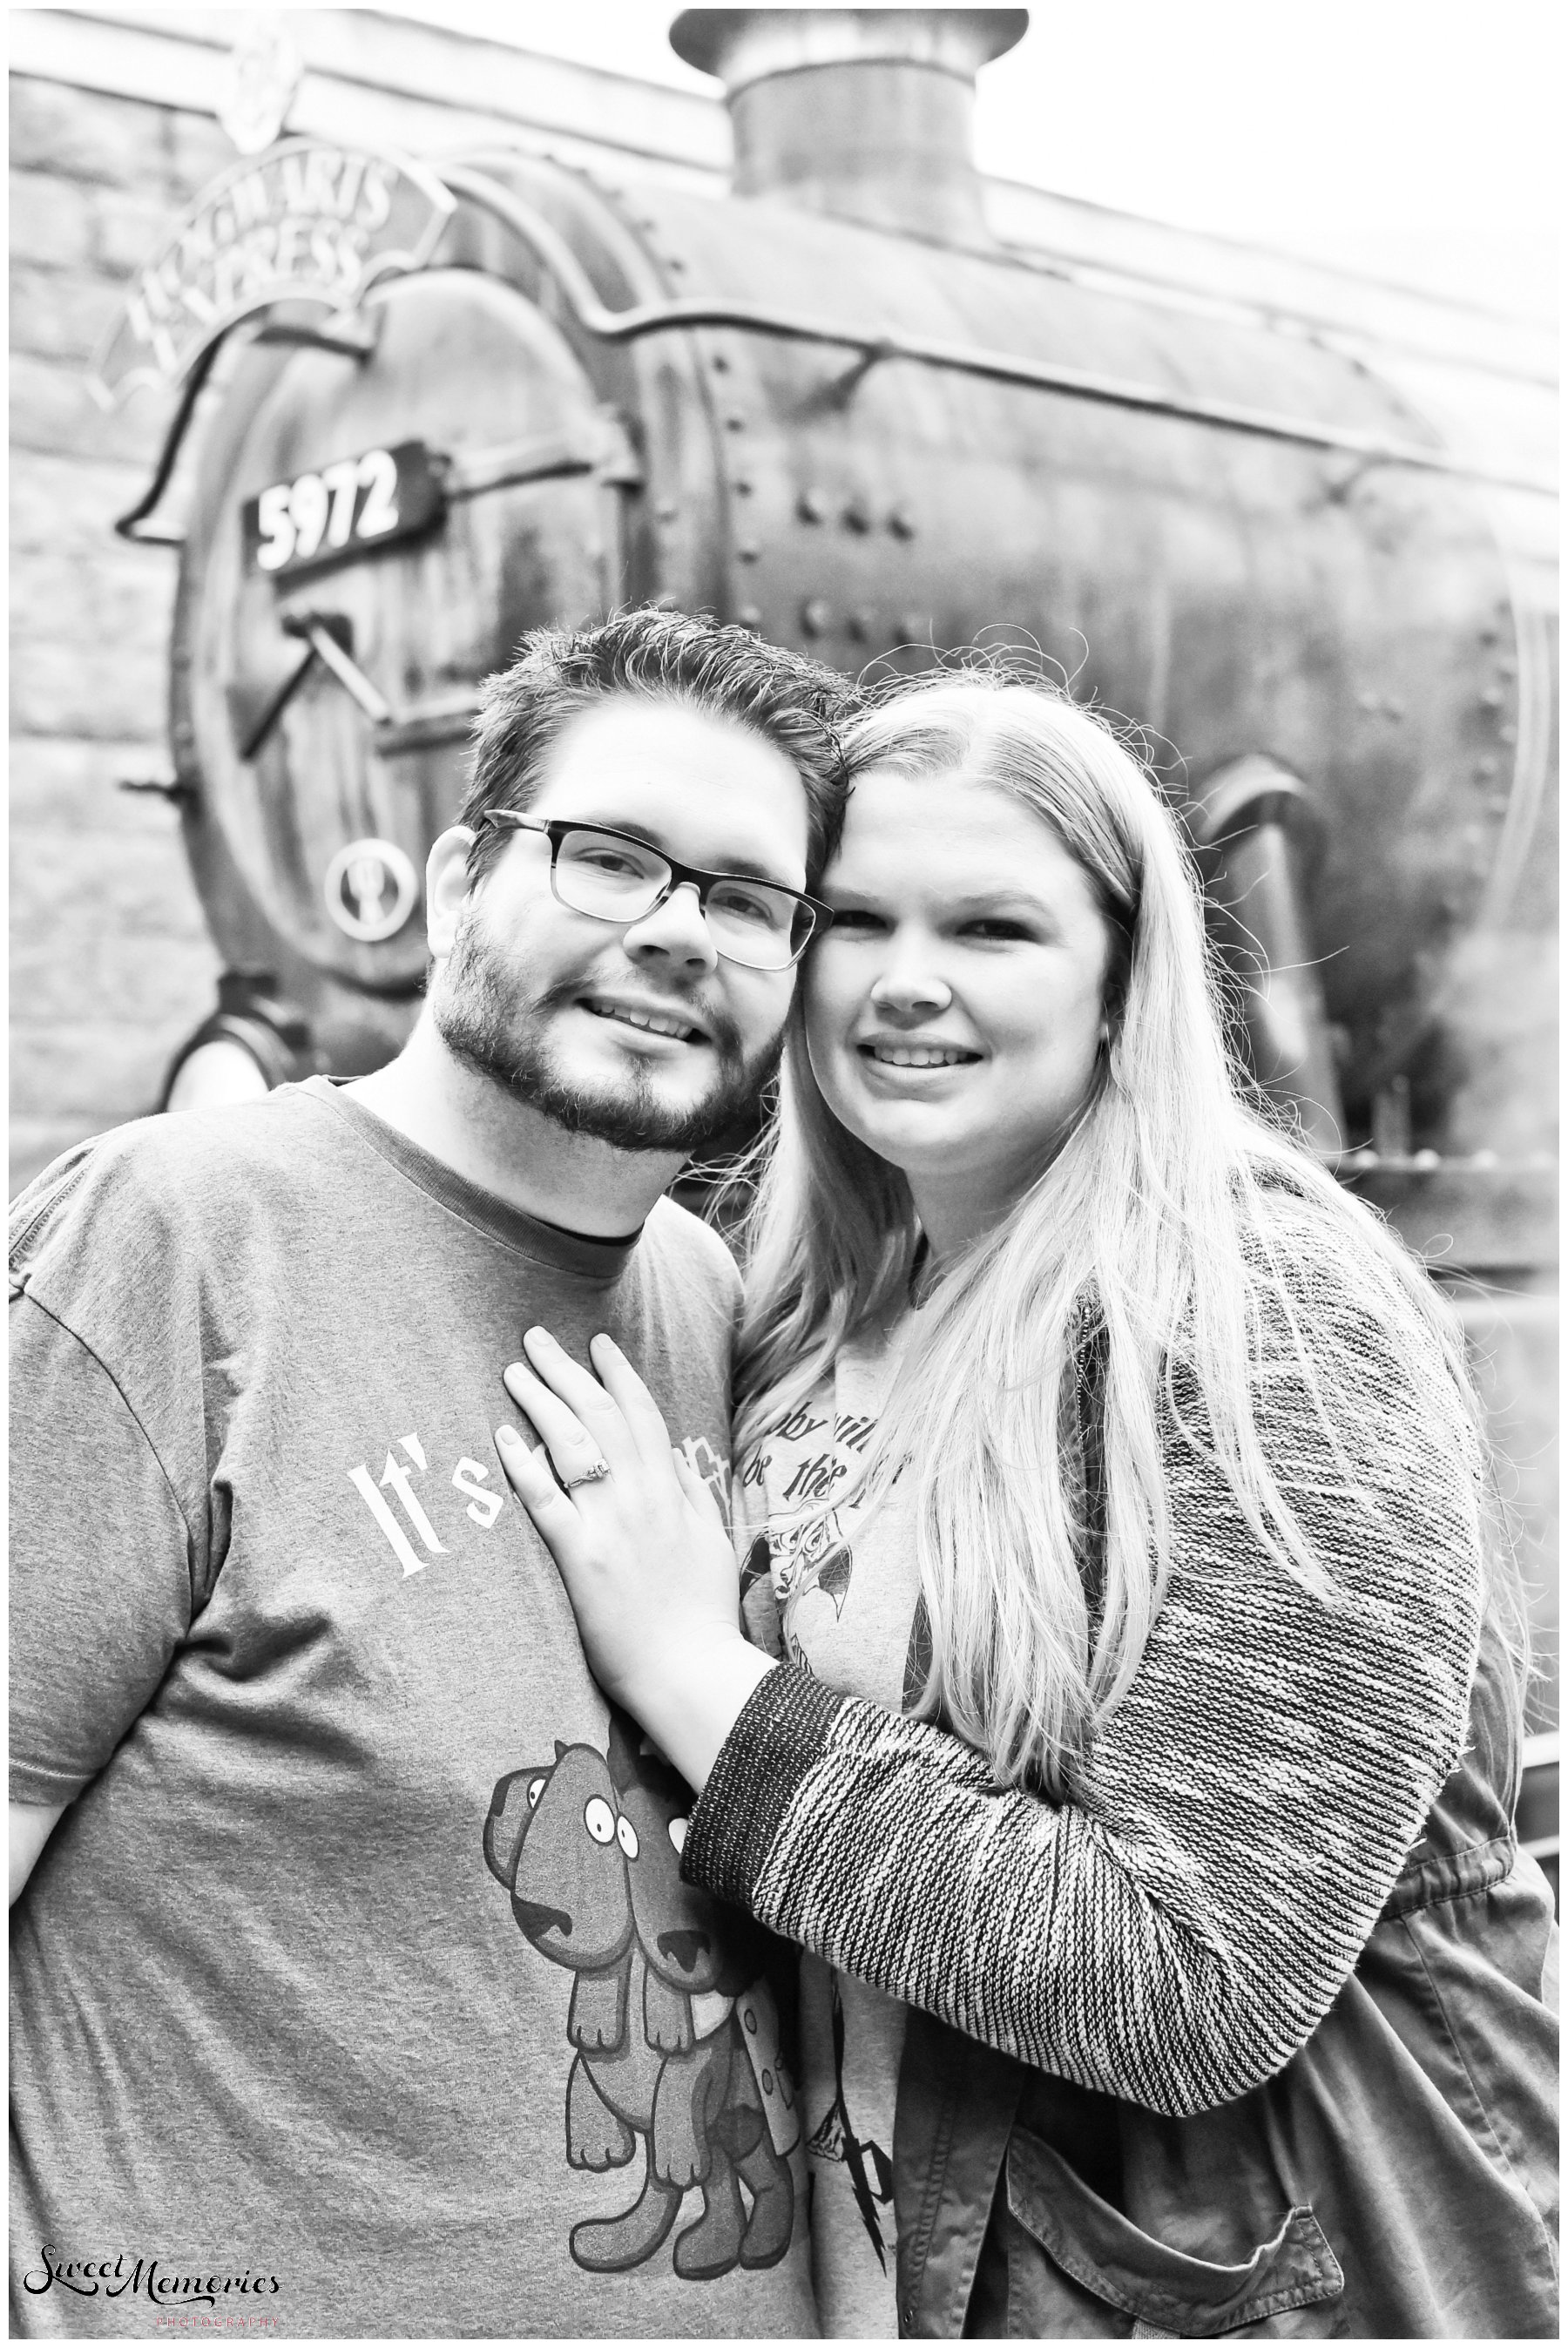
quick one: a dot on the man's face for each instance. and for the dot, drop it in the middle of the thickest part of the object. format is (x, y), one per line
(546, 1000)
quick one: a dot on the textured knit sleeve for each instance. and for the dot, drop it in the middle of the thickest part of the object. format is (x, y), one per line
(1176, 1934)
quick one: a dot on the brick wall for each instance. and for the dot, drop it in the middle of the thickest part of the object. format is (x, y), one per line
(110, 961)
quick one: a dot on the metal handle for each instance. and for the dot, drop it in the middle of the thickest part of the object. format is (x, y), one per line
(325, 641)
(327, 636)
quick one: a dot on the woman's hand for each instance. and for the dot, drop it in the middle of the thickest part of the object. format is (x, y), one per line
(641, 1546)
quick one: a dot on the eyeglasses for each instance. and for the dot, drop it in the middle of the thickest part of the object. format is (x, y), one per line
(612, 877)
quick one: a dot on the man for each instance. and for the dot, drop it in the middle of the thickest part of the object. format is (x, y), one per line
(355, 1989)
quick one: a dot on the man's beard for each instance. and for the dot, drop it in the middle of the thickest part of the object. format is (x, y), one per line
(485, 1020)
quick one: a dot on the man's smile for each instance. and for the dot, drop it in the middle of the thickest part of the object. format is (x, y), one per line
(647, 1017)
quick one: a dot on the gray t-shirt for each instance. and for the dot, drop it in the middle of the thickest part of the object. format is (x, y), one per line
(357, 1989)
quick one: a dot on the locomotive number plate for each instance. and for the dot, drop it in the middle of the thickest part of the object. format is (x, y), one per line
(343, 511)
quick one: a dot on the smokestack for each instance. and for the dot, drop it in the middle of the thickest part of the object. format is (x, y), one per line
(867, 113)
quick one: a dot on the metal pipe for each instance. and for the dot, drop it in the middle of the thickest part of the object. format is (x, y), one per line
(871, 349)
(866, 113)
(1002, 366)
(1191, 298)
(1242, 825)
(128, 524)
(346, 341)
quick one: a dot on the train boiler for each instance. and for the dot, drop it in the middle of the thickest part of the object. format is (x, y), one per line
(833, 407)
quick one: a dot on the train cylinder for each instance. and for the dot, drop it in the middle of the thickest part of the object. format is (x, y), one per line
(832, 409)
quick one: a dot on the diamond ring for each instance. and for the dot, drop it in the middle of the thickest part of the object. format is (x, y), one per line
(589, 1475)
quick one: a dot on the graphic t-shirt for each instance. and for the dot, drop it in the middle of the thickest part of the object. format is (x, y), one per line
(848, 1595)
(357, 1993)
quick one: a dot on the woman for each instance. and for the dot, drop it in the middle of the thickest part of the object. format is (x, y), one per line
(1140, 1777)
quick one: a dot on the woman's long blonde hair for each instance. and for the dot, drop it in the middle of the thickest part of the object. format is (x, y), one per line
(1163, 1226)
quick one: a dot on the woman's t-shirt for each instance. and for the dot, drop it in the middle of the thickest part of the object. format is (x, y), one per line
(849, 1602)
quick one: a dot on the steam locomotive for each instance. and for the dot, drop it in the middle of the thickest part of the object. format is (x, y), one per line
(428, 409)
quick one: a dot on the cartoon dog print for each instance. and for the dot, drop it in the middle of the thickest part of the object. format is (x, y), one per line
(675, 2037)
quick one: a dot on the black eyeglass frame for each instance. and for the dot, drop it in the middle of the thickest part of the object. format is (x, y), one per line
(554, 829)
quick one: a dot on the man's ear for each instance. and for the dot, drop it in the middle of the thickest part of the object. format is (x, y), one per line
(447, 885)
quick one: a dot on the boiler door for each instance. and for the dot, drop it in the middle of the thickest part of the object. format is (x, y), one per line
(371, 538)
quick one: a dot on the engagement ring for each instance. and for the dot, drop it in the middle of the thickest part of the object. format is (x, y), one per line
(589, 1475)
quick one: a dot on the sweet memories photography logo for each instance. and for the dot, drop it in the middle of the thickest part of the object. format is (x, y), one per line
(125, 2276)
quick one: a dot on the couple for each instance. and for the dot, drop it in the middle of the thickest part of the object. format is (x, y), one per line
(1129, 1724)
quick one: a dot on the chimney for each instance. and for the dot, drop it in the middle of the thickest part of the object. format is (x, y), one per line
(865, 113)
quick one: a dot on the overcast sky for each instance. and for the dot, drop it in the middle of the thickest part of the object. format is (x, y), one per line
(1414, 139)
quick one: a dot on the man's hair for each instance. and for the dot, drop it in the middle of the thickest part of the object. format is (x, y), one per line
(795, 704)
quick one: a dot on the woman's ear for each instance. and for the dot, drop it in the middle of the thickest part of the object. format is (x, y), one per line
(447, 885)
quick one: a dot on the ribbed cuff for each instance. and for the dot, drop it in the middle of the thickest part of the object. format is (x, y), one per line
(779, 1736)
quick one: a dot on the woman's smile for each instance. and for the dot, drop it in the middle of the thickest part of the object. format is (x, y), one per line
(909, 1054)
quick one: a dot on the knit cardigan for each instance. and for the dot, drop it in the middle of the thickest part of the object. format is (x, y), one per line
(1175, 1931)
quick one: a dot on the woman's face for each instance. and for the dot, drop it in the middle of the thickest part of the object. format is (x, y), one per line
(954, 1011)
